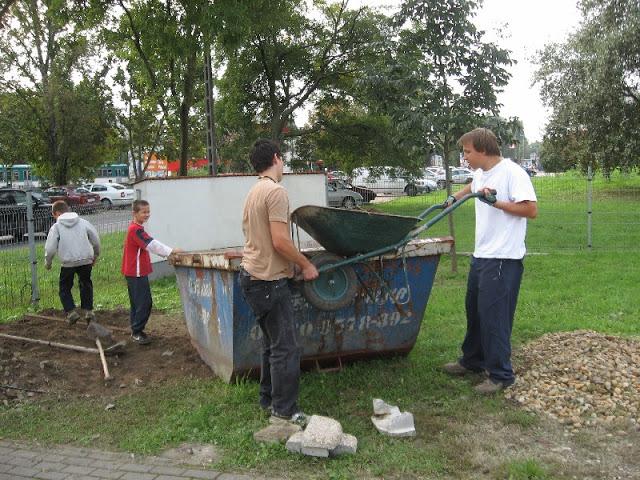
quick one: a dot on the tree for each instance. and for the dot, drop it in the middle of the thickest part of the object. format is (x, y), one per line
(288, 58)
(592, 84)
(42, 51)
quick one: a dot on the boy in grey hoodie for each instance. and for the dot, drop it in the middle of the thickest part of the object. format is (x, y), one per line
(77, 244)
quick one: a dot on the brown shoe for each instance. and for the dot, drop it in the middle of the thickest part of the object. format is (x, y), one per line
(454, 368)
(489, 387)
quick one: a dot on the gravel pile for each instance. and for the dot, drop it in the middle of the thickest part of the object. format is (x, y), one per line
(580, 378)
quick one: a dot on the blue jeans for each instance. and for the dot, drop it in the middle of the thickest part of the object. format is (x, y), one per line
(492, 294)
(271, 304)
(140, 301)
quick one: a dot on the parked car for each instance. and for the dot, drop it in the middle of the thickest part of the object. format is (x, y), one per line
(76, 197)
(458, 175)
(367, 194)
(13, 214)
(338, 195)
(391, 181)
(111, 194)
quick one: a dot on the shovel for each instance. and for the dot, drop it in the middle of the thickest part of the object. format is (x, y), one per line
(97, 332)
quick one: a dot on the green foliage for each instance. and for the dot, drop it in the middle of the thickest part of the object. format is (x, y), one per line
(524, 470)
(591, 84)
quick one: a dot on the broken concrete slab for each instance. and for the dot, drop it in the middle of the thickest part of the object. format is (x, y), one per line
(323, 437)
(380, 407)
(294, 444)
(348, 445)
(322, 432)
(390, 421)
(395, 425)
(277, 433)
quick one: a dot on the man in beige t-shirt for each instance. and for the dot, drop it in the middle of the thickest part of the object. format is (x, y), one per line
(267, 265)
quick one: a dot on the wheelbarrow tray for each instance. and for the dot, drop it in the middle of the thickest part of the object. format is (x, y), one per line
(352, 232)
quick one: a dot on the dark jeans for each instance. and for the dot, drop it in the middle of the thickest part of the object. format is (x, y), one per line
(492, 294)
(140, 301)
(65, 284)
(280, 366)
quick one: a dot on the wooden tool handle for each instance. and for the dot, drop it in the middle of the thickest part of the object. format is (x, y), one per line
(103, 360)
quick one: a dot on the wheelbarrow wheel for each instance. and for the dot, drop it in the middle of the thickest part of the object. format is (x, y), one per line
(334, 289)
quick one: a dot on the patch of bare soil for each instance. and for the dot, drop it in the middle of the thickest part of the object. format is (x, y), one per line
(28, 369)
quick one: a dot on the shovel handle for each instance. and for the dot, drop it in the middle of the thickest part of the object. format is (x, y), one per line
(103, 360)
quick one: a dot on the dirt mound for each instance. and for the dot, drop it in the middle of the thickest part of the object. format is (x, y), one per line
(580, 378)
(31, 369)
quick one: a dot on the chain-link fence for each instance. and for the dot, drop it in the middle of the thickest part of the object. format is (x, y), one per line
(23, 279)
(575, 212)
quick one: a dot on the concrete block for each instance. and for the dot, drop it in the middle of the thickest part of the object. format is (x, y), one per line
(395, 425)
(294, 444)
(277, 432)
(348, 445)
(380, 407)
(322, 433)
(314, 451)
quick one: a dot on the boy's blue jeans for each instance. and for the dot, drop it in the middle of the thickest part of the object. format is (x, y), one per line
(492, 294)
(271, 304)
(140, 301)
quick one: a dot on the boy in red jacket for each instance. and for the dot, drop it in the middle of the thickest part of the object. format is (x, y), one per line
(136, 266)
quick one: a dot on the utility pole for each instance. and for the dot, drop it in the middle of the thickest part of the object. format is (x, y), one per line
(212, 156)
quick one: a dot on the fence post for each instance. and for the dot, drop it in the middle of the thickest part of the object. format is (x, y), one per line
(589, 206)
(35, 293)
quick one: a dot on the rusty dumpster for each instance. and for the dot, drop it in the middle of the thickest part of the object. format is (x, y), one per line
(384, 318)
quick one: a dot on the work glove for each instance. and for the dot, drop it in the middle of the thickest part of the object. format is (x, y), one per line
(489, 198)
(449, 201)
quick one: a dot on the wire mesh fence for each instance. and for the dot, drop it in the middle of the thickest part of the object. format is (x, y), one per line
(575, 213)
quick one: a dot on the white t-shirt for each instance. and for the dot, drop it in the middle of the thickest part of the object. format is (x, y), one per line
(500, 234)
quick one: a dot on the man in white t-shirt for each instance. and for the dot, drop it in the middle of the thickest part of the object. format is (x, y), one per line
(496, 265)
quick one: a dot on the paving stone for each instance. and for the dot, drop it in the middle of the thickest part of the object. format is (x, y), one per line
(81, 461)
(111, 474)
(104, 464)
(54, 457)
(165, 470)
(168, 477)
(23, 471)
(135, 467)
(11, 476)
(4, 467)
(206, 475)
(231, 476)
(52, 476)
(21, 461)
(314, 451)
(78, 469)
(294, 444)
(138, 476)
(26, 454)
(48, 466)
(277, 432)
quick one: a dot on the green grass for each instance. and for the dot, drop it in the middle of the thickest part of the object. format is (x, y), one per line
(561, 291)
(110, 288)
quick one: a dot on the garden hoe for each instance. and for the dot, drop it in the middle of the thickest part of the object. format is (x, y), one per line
(97, 332)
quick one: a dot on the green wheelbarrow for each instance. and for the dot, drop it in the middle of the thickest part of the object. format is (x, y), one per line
(352, 236)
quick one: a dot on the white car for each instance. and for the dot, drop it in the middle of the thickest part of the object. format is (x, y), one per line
(391, 181)
(458, 175)
(111, 194)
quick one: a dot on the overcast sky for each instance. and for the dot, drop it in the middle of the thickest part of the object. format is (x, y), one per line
(526, 27)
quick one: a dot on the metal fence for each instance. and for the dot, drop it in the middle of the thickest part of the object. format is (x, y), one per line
(23, 229)
(575, 213)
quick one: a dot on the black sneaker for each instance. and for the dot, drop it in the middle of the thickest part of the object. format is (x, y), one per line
(141, 338)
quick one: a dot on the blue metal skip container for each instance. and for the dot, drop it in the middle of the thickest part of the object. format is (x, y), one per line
(381, 321)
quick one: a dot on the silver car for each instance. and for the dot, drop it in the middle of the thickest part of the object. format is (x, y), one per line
(338, 196)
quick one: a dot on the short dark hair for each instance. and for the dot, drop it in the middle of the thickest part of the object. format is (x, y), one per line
(59, 206)
(483, 141)
(262, 154)
(137, 205)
